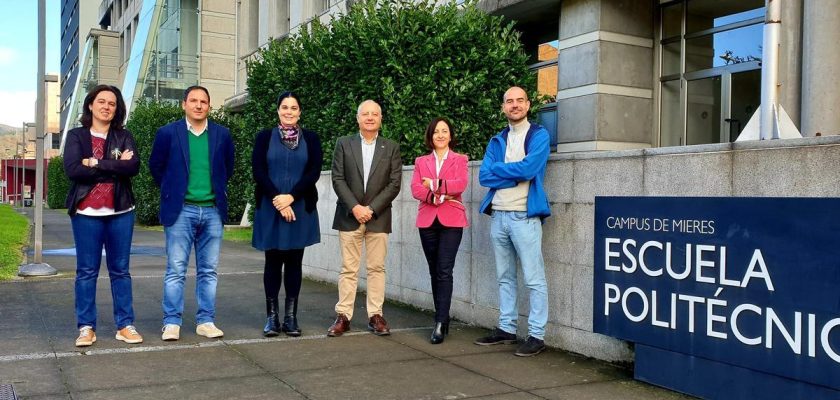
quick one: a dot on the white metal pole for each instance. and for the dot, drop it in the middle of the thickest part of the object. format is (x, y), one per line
(770, 70)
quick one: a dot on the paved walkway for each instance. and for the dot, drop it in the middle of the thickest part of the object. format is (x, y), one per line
(38, 356)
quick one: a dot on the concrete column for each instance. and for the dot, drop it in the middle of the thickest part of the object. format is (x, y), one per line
(605, 99)
(108, 62)
(279, 18)
(820, 68)
(790, 59)
(217, 55)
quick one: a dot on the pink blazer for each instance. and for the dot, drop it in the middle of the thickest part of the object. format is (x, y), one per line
(453, 180)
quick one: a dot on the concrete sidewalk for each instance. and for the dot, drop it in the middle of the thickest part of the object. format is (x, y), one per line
(38, 356)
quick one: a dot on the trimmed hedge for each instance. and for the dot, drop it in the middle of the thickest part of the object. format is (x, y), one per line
(418, 60)
(144, 122)
(58, 183)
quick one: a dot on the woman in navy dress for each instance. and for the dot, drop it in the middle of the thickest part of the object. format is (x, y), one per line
(286, 164)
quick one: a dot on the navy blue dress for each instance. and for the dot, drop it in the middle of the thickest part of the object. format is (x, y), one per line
(271, 231)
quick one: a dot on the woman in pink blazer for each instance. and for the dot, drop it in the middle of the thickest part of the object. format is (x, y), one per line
(438, 181)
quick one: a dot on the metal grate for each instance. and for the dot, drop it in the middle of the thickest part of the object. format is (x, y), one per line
(7, 392)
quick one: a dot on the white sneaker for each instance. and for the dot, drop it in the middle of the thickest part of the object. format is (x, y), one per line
(171, 332)
(208, 329)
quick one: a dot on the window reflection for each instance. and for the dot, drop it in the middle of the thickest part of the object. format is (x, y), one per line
(724, 48)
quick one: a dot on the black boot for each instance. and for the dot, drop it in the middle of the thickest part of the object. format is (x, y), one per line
(439, 332)
(290, 323)
(272, 322)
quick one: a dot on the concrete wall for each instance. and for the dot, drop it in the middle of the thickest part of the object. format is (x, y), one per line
(217, 57)
(797, 167)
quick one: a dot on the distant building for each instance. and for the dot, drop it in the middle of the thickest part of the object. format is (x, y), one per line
(52, 116)
(77, 17)
(154, 49)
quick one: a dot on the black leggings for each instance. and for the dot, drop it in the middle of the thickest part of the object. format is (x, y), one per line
(273, 276)
(440, 245)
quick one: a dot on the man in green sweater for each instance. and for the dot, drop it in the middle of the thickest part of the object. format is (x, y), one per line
(191, 162)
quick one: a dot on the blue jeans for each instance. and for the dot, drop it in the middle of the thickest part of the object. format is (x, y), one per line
(200, 227)
(515, 235)
(91, 234)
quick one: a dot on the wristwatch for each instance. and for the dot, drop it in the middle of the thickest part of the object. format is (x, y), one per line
(93, 162)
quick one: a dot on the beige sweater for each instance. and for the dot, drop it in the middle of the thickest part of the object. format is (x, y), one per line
(515, 198)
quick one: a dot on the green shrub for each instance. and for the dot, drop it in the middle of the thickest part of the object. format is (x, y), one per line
(416, 59)
(146, 118)
(57, 183)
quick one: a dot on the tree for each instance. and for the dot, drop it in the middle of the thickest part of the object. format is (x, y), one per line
(59, 184)
(419, 60)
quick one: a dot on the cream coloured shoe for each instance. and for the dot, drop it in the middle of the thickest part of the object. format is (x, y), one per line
(209, 330)
(171, 332)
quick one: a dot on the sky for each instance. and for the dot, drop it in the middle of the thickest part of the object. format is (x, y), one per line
(19, 56)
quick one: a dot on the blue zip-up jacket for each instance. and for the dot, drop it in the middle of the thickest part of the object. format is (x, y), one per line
(495, 173)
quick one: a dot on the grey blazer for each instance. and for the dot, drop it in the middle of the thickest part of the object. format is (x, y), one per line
(382, 188)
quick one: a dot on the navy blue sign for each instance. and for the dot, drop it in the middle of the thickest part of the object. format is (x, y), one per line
(751, 284)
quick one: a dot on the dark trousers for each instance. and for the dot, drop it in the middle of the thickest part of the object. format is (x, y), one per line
(440, 245)
(273, 275)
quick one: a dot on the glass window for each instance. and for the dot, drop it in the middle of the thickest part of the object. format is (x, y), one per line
(672, 21)
(670, 127)
(547, 71)
(708, 14)
(548, 51)
(718, 97)
(724, 48)
(703, 114)
(671, 58)
(547, 82)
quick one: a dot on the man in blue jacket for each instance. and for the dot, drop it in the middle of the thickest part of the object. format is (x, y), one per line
(513, 169)
(191, 162)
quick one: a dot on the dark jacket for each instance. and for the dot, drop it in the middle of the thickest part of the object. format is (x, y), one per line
(304, 190)
(382, 188)
(169, 165)
(78, 145)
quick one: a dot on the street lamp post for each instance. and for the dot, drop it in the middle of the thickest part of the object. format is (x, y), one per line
(39, 268)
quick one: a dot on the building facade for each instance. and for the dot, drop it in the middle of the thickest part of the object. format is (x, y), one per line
(638, 74)
(77, 17)
(154, 49)
(629, 74)
(260, 21)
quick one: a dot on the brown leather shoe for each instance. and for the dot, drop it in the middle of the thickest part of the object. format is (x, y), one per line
(341, 325)
(379, 326)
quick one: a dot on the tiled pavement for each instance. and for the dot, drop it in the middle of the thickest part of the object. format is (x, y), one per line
(38, 357)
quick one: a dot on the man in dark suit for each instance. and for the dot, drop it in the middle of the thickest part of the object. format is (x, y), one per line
(366, 176)
(191, 162)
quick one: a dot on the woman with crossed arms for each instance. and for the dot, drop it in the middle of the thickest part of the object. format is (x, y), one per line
(439, 180)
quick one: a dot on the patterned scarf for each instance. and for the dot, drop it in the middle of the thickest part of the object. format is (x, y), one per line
(290, 135)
